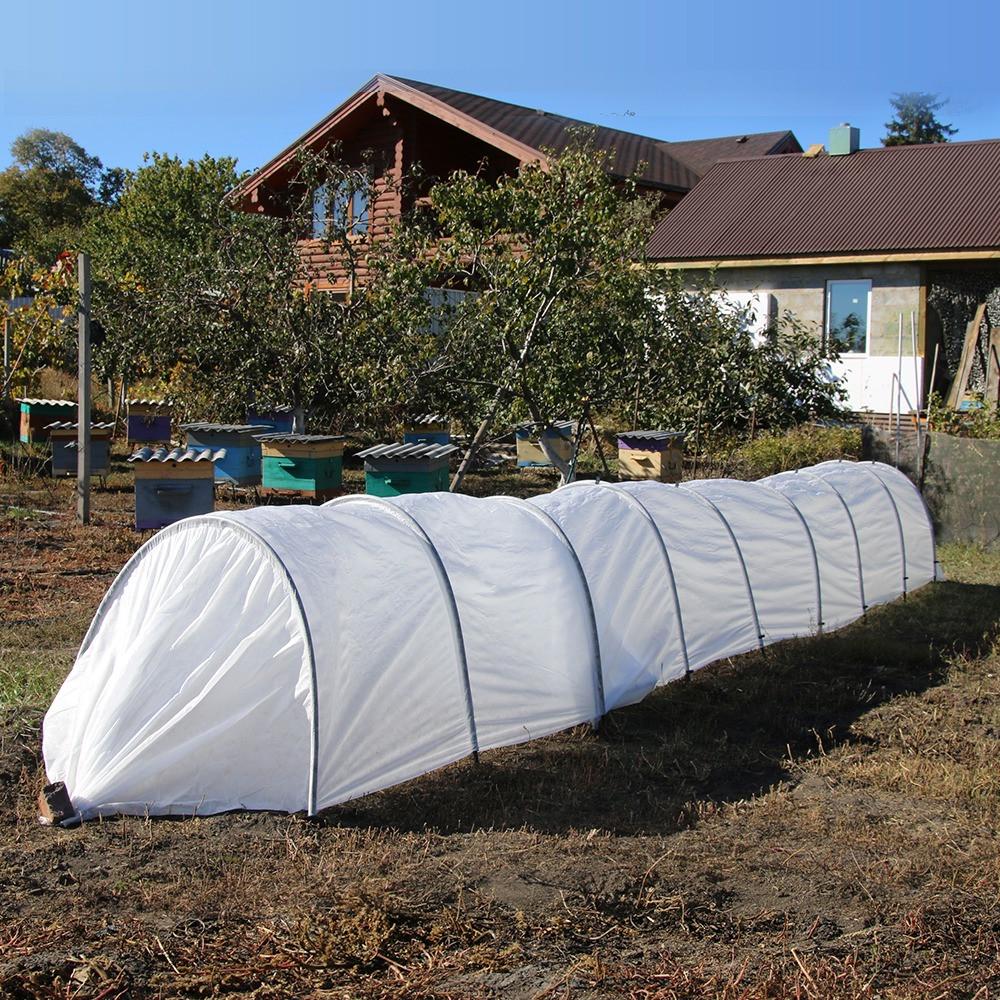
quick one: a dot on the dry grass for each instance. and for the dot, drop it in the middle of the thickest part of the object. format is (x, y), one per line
(816, 822)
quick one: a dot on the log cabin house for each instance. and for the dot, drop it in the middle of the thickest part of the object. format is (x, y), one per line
(405, 123)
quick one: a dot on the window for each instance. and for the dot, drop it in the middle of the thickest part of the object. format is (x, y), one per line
(319, 212)
(359, 212)
(848, 311)
(343, 209)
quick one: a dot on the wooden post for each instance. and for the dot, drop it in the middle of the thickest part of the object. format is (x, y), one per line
(83, 394)
(6, 354)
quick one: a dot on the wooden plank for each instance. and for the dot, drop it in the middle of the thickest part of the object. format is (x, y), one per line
(993, 368)
(174, 470)
(302, 449)
(961, 379)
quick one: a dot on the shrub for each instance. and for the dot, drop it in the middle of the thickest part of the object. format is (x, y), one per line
(778, 452)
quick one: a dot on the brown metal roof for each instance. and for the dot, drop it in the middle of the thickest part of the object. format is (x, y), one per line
(543, 130)
(897, 199)
(527, 132)
(702, 154)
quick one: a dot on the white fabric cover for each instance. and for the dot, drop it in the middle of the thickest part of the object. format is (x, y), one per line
(295, 657)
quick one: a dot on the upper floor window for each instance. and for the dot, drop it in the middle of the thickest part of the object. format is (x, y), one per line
(334, 211)
(319, 210)
(848, 314)
(359, 212)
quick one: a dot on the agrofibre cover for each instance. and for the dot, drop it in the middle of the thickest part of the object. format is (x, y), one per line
(293, 658)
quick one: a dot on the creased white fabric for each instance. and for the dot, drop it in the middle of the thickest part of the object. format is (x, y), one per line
(295, 657)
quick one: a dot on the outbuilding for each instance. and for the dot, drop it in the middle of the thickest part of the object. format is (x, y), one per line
(877, 250)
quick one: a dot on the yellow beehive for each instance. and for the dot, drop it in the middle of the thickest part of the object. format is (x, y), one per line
(655, 455)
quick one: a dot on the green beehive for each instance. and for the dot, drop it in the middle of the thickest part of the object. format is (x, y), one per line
(307, 464)
(394, 469)
(37, 414)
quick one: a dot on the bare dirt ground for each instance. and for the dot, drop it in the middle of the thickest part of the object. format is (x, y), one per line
(820, 821)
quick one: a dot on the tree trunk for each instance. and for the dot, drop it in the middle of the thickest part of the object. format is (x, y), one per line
(477, 440)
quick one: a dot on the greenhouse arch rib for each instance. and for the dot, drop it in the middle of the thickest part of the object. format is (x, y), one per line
(899, 523)
(882, 471)
(812, 548)
(636, 504)
(743, 564)
(267, 550)
(441, 572)
(550, 522)
(820, 481)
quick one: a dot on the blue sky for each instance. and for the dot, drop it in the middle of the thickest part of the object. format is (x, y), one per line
(246, 78)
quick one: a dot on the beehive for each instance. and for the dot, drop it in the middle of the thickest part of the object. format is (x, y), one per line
(148, 421)
(559, 436)
(393, 469)
(240, 463)
(63, 439)
(655, 455)
(429, 428)
(171, 484)
(37, 414)
(280, 419)
(309, 464)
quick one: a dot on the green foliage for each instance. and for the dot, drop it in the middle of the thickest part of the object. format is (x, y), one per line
(781, 451)
(981, 420)
(557, 313)
(49, 191)
(703, 370)
(210, 302)
(41, 212)
(915, 120)
(56, 152)
(40, 326)
(548, 257)
(560, 313)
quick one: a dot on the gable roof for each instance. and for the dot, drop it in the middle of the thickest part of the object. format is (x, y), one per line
(526, 132)
(702, 154)
(897, 199)
(542, 130)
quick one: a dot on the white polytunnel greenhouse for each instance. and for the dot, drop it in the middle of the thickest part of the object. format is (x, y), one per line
(291, 658)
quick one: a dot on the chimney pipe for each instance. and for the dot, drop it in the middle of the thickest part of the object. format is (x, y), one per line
(844, 140)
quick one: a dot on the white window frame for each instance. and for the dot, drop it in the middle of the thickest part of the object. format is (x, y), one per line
(868, 316)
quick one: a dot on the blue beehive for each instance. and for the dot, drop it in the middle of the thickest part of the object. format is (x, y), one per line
(63, 439)
(148, 421)
(429, 428)
(240, 463)
(280, 419)
(171, 484)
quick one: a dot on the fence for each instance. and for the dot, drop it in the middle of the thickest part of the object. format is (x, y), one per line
(958, 477)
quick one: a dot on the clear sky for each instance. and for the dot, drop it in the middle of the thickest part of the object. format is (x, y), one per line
(245, 78)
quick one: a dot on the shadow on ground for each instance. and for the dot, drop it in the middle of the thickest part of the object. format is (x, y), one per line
(730, 732)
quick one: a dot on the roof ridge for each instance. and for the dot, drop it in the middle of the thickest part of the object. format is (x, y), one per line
(846, 157)
(525, 107)
(726, 138)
